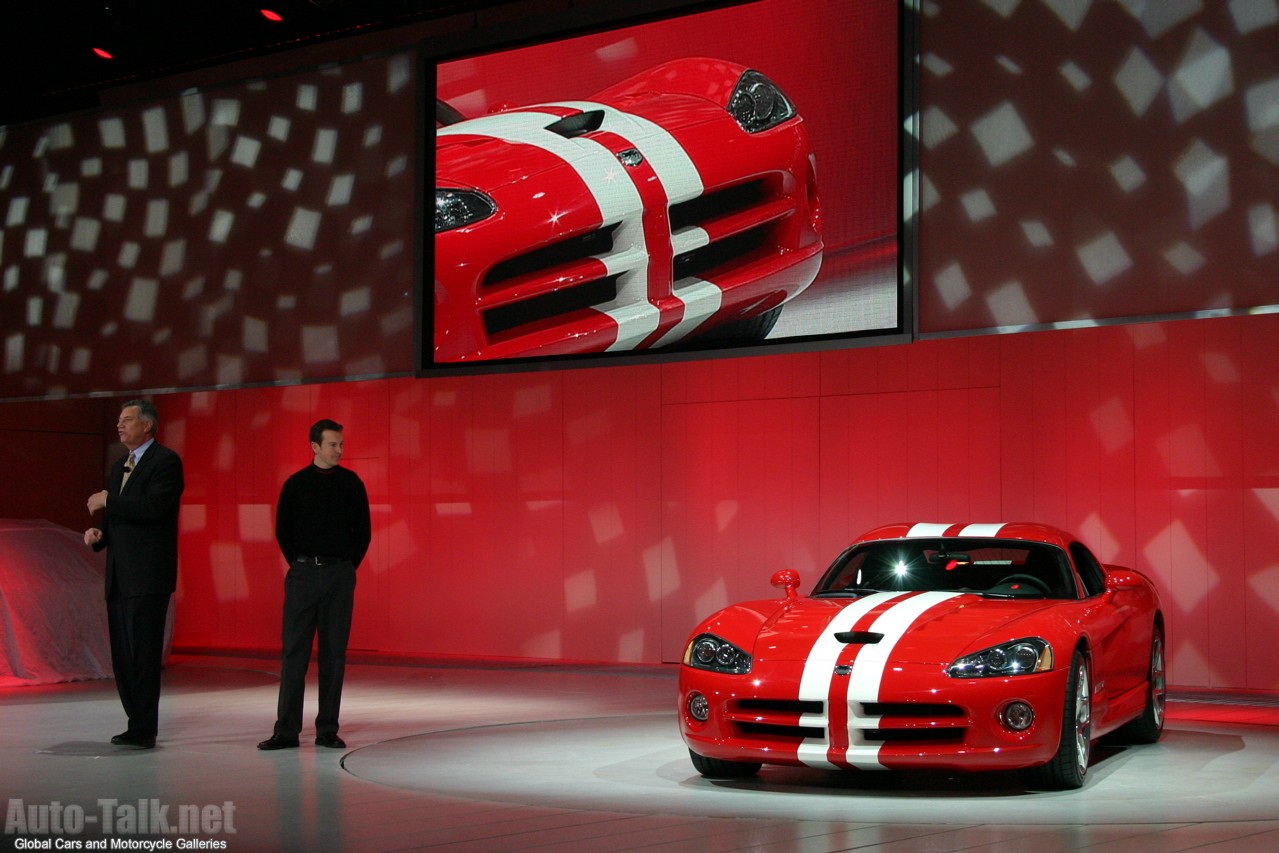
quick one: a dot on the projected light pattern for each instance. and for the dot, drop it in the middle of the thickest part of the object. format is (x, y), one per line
(250, 234)
(1088, 161)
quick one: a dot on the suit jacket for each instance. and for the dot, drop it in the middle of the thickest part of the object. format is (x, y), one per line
(140, 524)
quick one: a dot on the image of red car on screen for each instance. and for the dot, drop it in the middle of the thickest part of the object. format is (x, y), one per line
(678, 206)
(946, 647)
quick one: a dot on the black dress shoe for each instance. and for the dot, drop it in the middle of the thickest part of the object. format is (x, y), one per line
(132, 741)
(279, 742)
(331, 741)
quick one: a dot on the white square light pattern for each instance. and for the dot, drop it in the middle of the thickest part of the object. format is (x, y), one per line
(113, 224)
(1097, 160)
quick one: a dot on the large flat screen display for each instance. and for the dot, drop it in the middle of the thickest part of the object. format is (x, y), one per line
(717, 180)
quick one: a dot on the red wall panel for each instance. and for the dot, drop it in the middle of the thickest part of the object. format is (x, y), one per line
(597, 514)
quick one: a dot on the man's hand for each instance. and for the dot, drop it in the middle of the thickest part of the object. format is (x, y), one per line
(92, 536)
(97, 501)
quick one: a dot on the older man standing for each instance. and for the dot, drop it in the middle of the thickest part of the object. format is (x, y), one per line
(139, 529)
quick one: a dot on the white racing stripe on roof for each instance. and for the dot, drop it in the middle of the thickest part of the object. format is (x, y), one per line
(988, 530)
(927, 529)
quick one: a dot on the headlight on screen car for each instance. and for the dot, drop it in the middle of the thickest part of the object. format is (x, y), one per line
(757, 104)
(455, 208)
(1018, 657)
(707, 651)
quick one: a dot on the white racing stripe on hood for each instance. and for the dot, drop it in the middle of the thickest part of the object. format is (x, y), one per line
(867, 675)
(617, 198)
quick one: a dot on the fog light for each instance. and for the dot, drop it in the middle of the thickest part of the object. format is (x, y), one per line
(1018, 716)
(699, 708)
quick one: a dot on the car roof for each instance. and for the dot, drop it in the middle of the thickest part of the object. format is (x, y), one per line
(1021, 530)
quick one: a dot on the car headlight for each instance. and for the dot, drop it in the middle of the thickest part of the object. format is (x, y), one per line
(706, 651)
(1018, 657)
(455, 208)
(757, 104)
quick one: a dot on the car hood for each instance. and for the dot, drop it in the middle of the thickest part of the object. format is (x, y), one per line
(943, 630)
(497, 150)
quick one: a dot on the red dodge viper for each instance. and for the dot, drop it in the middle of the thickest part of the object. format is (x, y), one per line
(676, 203)
(932, 646)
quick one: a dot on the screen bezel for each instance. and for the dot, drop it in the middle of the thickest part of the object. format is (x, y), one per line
(610, 17)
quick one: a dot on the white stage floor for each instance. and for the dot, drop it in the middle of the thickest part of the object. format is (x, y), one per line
(489, 756)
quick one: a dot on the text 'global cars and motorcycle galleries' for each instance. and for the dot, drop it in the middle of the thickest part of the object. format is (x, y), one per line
(109, 824)
(950, 647)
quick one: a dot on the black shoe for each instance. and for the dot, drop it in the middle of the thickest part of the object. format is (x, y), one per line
(132, 741)
(279, 742)
(332, 741)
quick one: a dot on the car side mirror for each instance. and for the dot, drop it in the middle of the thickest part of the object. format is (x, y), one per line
(787, 579)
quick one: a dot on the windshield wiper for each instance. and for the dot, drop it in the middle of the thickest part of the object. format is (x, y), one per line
(846, 592)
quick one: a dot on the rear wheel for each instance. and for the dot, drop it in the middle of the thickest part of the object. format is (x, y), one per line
(716, 768)
(1068, 767)
(1150, 725)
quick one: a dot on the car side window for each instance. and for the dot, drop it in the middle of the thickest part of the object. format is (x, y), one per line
(1090, 571)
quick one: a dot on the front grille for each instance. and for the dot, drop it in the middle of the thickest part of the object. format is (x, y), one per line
(914, 722)
(515, 297)
(781, 706)
(716, 205)
(910, 709)
(554, 286)
(549, 306)
(721, 256)
(914, 735)
(770, 730)
(775, 719)
(543, 261)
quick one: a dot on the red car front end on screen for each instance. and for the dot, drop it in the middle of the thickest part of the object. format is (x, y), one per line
(676, 203)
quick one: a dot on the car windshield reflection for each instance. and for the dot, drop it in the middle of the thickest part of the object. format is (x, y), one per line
(992, 568)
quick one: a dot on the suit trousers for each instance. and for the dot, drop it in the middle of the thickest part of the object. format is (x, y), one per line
(136, 625)
(317, 602)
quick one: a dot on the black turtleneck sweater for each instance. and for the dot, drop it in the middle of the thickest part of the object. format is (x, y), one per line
(323, 512)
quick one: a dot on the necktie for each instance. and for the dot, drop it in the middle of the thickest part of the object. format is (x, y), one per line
(128, 469)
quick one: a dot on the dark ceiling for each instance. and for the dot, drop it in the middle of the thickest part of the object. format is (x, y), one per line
(47, 46)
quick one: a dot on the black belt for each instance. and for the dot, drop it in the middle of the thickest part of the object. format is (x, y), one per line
(320, 561)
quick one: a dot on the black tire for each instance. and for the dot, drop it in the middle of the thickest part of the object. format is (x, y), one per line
(715, 768)
(1150, 725)
(739, 331)
(1066, 770)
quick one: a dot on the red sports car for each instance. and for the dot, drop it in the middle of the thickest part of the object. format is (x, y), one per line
(677, 203)
(951, 647)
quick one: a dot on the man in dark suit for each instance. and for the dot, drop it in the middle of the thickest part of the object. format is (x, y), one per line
(139, 529)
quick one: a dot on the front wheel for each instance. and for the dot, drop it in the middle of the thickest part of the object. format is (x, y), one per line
(715, 768)
(1066, 769)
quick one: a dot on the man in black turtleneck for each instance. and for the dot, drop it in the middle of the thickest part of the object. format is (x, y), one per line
(322, 526)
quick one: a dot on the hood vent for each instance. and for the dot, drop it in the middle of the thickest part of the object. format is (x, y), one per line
(571, 127)
(865, 638)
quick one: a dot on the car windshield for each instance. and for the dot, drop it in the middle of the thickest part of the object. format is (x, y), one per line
(446, 115)
(992, 567)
